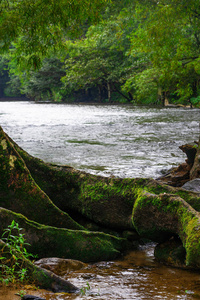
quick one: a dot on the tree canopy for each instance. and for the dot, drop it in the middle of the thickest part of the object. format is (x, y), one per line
(168, 34)
(143, 51)
(37, 25)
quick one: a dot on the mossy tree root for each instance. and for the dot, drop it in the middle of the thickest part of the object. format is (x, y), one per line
(105, 201)
(20, 193)
(47, 241)
(157, 217)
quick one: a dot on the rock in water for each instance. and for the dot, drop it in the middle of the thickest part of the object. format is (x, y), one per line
(60, 266)
(31, 297)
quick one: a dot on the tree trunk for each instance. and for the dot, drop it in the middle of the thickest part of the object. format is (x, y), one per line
(162, 96)
(109, 91)
(99, 94)
(129, 97)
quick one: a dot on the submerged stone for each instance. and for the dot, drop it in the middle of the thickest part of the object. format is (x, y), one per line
(60, 266)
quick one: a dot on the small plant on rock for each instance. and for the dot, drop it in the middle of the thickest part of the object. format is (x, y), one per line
(85, 289)
(12, 255)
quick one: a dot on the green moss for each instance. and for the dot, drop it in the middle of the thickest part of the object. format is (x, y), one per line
(157, 189)
(178, 218)
(47, 241)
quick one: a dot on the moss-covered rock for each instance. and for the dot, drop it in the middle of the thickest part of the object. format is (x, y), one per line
(157, 217)
(156, 187)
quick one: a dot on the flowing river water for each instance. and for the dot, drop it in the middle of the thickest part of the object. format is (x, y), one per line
(110, 140)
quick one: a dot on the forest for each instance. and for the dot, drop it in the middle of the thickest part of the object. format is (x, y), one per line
(140, 52)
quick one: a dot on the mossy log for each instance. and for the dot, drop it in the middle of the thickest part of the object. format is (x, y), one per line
(39, 276)
(157, 217)
(107, 202)
(47, 241)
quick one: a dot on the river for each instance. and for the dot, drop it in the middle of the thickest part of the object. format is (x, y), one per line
(119, 140)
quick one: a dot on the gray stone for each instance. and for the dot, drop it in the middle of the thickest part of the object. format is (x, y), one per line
(193, 185)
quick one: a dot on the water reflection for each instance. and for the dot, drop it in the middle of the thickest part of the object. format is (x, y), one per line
(135, 276)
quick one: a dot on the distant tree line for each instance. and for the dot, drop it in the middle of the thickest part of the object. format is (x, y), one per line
(141, 52)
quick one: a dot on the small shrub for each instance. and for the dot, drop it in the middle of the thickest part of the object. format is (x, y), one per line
(12, 260)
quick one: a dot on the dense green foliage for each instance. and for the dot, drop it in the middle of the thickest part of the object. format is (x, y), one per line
(138, 51)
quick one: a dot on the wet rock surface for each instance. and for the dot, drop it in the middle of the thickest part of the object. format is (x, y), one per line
(192, 185)
(31, 297)
(159, 217)
(60, 266)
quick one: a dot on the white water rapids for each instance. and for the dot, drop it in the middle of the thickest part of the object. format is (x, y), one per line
(119, 140)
